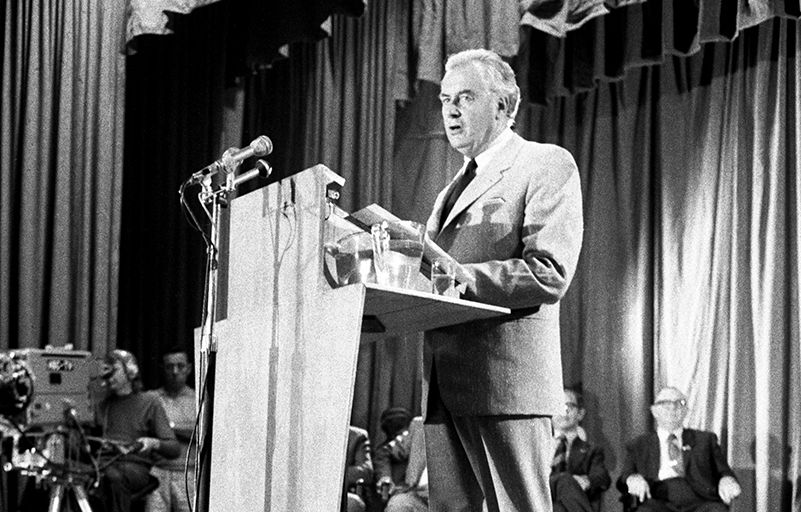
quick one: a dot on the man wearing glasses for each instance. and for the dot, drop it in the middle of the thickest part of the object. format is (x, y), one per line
(578, 474)
(677, 469)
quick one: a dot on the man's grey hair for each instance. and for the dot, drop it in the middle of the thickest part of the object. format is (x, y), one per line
(499, 74)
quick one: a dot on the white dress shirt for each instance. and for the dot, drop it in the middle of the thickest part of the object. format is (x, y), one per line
(667, 467)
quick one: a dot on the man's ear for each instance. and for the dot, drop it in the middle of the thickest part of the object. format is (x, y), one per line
(581, 413)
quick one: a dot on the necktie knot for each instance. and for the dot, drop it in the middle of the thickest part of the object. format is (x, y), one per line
(472, 165)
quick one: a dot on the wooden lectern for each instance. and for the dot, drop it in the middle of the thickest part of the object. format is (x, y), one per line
(287, 352)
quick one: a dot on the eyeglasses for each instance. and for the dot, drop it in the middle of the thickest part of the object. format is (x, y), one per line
(674, 403)
(571, 406)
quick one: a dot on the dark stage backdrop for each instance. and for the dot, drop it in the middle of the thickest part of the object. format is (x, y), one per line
(174, 118)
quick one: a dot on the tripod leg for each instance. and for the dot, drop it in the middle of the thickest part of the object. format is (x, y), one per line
(56, 495)
(80, 496)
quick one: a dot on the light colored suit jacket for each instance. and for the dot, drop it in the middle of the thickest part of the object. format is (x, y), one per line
(517, 228)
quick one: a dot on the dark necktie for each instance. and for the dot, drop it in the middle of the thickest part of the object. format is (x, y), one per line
(457, 189)
(559, 464)
(674, 452)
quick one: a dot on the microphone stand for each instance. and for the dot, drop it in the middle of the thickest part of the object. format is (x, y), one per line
(212, 202)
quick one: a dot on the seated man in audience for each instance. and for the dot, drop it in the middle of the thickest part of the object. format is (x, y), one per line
(390, 458)
(358, 471)
(176, 489)
(676, 468)
(136, 423)
(578, 474)
(412, 494)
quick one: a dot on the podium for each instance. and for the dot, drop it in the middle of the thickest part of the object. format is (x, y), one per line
(287, 351)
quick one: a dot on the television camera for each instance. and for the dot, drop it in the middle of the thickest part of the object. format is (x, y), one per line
(44, 405)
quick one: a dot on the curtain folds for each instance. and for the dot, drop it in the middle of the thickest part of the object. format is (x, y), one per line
(61, 167)
(332, 102)
(639, 34)
(563, 47)
(150, 16)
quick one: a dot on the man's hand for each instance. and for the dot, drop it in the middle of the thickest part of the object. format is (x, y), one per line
(384, 480)
(583, 481)
(638, 487)
(728, 489)
(149, 444)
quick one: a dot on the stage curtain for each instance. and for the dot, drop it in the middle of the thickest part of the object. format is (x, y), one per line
(333, 102)
(150, 16)
(561, 47)
(265, 27)
(61, 119)
(689, 273)
(588, 47)
(175, 120)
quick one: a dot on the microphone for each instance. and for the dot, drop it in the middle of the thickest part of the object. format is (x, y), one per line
(261, 146)
(262, 169)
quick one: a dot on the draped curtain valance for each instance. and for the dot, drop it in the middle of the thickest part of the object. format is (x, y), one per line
(560, 47)
(259, 29)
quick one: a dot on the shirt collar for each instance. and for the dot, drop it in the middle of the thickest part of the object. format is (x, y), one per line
(486, 156)
(664, 434)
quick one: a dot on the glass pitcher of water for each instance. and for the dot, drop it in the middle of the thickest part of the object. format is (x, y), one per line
(397, 252)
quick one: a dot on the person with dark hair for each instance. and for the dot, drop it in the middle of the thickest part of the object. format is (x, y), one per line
(136, 424)
(411, 493)
(676, 468)
(390, 458)
(176, 489)
(578, 473)
(512, 217)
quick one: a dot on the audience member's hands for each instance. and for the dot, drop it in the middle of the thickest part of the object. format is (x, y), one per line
(638, 487)
(149, 444)
(728, 489)
(384, 480)
(583, 481)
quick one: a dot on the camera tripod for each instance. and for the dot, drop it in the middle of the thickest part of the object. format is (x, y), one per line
(58, 490)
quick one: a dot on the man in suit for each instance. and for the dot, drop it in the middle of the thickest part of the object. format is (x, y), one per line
(391, 456)
(578, 473)
(677, 469)
(411, 495)
(491, 386)
(358, 470)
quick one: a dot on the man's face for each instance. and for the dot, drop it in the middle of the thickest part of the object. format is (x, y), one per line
(669, 409)
(471, 113)
(572, 416)
(176, 370)
(118, 380)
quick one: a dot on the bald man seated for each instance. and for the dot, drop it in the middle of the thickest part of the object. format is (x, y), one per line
(677, 469)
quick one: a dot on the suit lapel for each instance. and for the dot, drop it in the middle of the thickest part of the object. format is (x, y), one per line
(484, 179)
(578, 451)
(687, 439)
(653, 455)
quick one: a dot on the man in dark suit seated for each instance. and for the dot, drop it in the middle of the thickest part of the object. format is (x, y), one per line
(358, 470)
(677, 469)
(390, 457)
(578, 474)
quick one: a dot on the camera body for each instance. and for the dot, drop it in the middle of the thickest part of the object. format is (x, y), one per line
(60, 382)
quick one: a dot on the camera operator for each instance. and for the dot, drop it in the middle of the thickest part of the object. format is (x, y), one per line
(134, 419)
